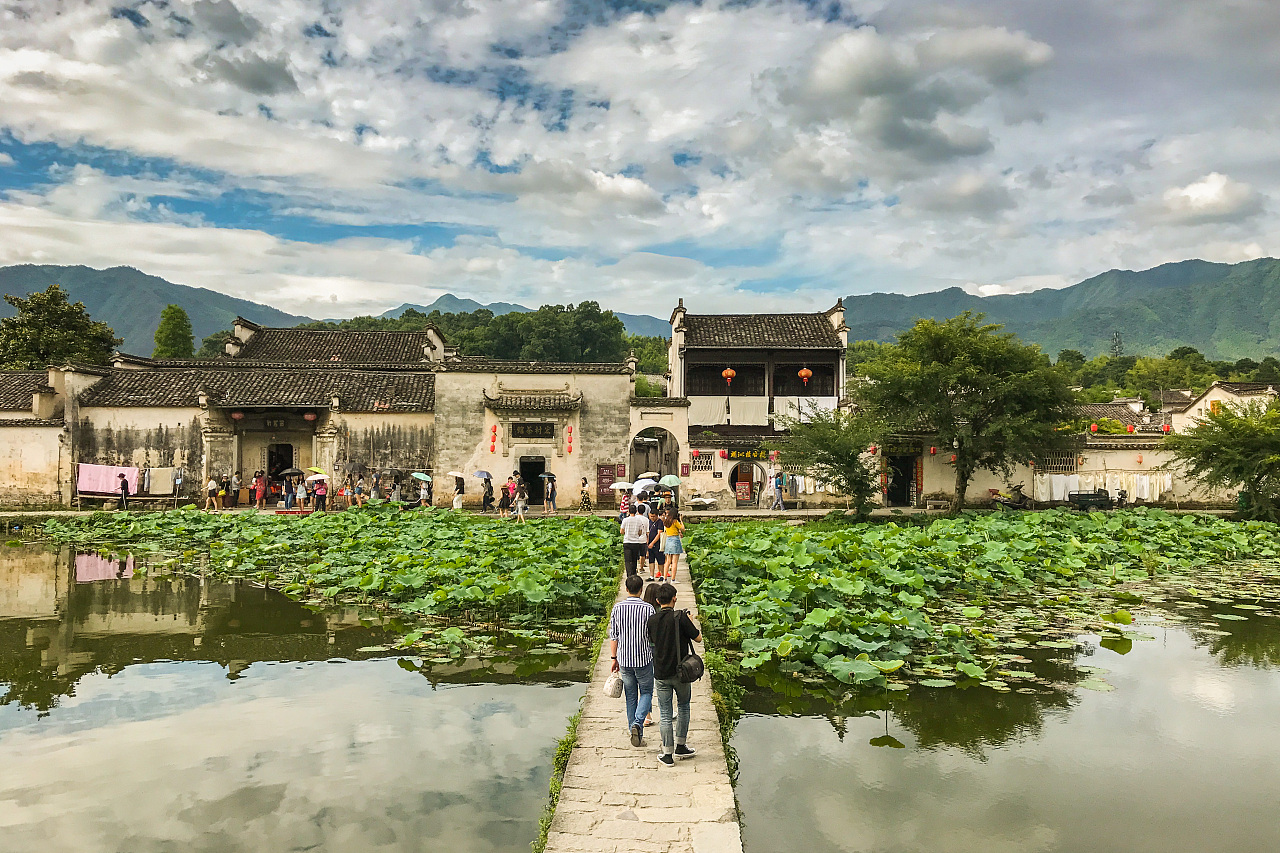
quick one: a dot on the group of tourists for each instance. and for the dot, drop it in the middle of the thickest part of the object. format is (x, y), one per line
(652, 539)
(648, 640)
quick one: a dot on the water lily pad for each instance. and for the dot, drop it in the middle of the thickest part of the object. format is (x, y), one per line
(1096, 684)
(887, 740)
(937, 682)
(1247, 606)
(371, 649)
(1231, 616)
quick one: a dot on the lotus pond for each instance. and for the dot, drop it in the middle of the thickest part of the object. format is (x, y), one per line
(149, 711)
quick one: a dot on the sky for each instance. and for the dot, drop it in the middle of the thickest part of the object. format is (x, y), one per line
(341, 157)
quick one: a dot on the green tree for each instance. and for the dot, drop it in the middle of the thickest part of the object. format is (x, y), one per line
(174, 338)
(1070, 359)
(651, 352)
(215, 345)
(50, 329)
(1235, 447)
(832, 446)
(993, 399)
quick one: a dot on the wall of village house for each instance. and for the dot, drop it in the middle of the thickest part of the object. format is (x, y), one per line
(1182, 421)
(149, 437)
(463, 427)
(34, 465)
(706, 484)
(379, 441)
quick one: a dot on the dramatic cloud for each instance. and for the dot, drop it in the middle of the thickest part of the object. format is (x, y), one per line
(772, 153)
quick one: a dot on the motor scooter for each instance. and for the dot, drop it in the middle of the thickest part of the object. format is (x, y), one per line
(1015, 499)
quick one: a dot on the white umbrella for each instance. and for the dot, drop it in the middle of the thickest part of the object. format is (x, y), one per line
(653, 474)
(620, 486)
(455, 474)
(643, 486)
(315, 477)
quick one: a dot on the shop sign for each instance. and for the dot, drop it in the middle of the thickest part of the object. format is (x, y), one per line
(622, 471)
(684, 469)
(748, 454)
(604, 481)
(533, 429)
(742, 490)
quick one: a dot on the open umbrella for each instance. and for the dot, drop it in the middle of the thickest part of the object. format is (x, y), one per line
(292, 472)
(317, 471)
(418, 475)
(315, 477)
(393, 472)
(670, 480)
(643, 486)
(647, 474)
(483, 475)
(455, 474)
(620, 486)
(548, 475)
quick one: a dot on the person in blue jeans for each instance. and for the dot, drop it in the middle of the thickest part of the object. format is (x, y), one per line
(779, 484)
(671, 631)
(632, 655)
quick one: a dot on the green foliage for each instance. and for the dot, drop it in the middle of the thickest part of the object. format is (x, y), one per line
(993, 399)
(430, 564)
(645, 388)
(173, 335)
(832, 446)
(1235, 447)
(872, 604)
(214, 345)
(557, 333)
(49, 329)
(651, 352)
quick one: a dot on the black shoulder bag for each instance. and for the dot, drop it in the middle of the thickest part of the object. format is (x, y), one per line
(690, 668)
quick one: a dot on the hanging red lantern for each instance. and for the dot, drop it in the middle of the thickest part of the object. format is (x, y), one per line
(693, 454)
(570, 429)
(953, 457)
(1139, 458)
(493, 448)
(1129, 428)
(309, 416)
(1031, 463)
(805, 375)
(1093, 427)
(571, 448)
(237, 416)
(1165, 428)
(933, 451)
(724, 454)
(728, 373)
(871, 449)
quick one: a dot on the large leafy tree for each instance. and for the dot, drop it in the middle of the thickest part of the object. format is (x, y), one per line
(992, 399)
(214, 345)
(174, 338)
(50, 329)
(832, 446)
(1235, 447)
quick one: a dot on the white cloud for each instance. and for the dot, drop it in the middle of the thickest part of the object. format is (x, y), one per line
(1213, 198)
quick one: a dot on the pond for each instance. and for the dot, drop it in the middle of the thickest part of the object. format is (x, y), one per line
(163, 713)
(1181, 755)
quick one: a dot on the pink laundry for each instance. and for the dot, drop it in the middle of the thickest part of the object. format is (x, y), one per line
(94, 567)
(104, 479)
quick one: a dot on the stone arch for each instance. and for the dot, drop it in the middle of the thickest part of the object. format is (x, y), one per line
(653, 448)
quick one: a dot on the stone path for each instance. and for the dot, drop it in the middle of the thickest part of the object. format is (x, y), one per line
(618, 798)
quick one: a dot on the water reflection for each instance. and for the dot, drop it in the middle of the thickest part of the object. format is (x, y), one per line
(158, 714)
(1180, 757)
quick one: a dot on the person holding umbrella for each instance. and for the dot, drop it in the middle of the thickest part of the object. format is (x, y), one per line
(550, 494)
(486, 486)
(522, 501)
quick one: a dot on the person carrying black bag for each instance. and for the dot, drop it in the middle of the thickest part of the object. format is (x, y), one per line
(672, 634)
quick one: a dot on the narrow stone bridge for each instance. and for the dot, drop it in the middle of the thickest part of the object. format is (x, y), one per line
(618, 798)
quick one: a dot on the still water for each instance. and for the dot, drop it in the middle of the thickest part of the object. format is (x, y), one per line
(1183, 755)
(159, 714)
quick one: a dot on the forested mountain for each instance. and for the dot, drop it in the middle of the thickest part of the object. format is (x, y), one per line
(635, 324)
(130, 301)
(1227, 311)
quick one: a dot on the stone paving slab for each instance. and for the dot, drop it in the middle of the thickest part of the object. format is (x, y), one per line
(617, 798)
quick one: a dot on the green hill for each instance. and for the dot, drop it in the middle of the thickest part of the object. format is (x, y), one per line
(1227, 311)
(130, 301)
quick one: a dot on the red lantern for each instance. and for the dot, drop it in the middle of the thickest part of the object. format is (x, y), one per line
(1093, 427)
(237, 416)
(493, 429)
(724, 454)
(1031, 463)
(871, 449)
(953, 457)
(570, 429)
(1139, 458)
(571, 448)
(805, 375)
(933, 451)
(493, 448)
(1165, 428)
(728, 373)
(309, 416)
(693, 453)
(1129, 427)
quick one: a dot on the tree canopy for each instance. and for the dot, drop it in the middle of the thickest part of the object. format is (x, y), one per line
(1235, 447)
(174, 338)
(50, 329)
(832, 446)
(993, 399)
(214, 345)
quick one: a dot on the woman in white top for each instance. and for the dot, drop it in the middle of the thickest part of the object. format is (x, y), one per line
(211, 494)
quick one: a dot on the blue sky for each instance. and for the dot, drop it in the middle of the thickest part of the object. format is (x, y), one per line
(334, 158)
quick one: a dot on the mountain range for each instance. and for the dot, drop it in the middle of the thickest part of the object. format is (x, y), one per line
(1227, 311)
(130, 302)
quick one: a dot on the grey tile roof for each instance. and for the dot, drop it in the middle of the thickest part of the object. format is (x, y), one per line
(666, 402)
(760, 331)
(296, 386)
(493, 365)
(17, 386)
(1125, 415)
(30, 422)
(552, 402)
(295, 345)
(1175, 401)
(1247, 389)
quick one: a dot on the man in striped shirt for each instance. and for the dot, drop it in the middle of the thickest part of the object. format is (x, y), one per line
(633, 655)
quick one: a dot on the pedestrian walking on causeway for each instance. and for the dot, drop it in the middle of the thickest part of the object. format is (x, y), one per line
(635, 535)
(671, 632)
(123, 487)
(675, 542)
(585, 505)
(632, 655)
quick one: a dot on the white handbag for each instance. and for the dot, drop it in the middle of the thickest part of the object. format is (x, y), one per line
(613, 686)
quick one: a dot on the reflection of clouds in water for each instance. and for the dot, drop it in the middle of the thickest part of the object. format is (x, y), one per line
(1181, 756)
(323, 758)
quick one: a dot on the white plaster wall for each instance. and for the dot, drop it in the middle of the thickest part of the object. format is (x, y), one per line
(32, 465)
